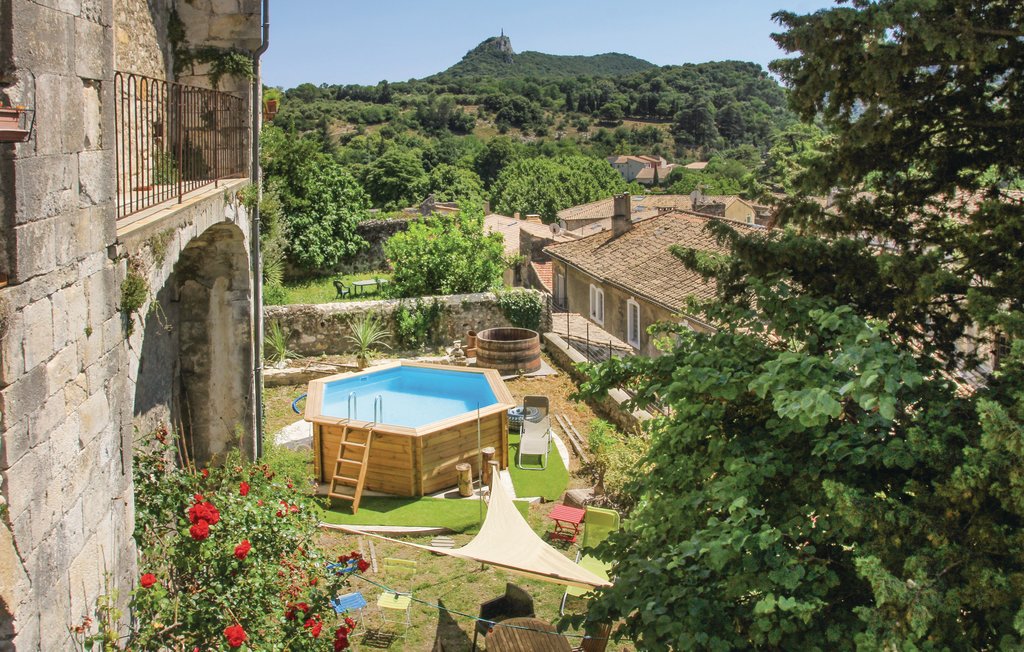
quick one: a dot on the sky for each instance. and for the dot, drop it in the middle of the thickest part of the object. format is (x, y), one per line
(363, 42)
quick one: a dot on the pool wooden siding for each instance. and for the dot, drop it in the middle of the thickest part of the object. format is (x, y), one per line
(417, 464)
(415, 461)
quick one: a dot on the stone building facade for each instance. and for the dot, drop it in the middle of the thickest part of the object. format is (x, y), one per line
(80, 375)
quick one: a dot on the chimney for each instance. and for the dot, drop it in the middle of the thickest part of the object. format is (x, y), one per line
(533, 217)
(516, 215)
(622, 218)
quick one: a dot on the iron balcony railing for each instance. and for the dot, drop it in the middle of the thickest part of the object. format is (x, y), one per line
(171, 139)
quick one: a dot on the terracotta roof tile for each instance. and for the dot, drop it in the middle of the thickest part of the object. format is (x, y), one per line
(639, 260)
(545, 273)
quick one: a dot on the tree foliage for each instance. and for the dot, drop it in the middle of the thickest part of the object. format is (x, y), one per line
(321, 203)
(396, 179)
(445, 254)
(822, 480)
(546, 186)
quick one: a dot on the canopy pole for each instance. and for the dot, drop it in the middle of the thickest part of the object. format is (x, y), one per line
(480, 469)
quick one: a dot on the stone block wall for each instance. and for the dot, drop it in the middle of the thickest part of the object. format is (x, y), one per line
(65, 429)
(73, 382)
(322, 328)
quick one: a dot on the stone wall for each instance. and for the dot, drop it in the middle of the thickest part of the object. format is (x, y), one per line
(73, 382)
(566, 358)
(371, 257)
(322, 328)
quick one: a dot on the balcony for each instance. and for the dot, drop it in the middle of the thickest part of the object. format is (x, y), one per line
(172, 139)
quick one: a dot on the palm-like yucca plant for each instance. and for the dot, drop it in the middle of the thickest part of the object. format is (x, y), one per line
(273, 269)
(276, 348)
(367, 332)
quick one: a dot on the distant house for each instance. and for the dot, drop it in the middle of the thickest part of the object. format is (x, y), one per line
(586, 219)
(625, 279)
(696, 165)
(526, 238)
(646, 170)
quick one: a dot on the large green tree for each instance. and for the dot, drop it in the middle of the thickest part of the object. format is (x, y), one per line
(545, 186)
(445, 254)
(320, 202)
(396, 179)
(823, 480)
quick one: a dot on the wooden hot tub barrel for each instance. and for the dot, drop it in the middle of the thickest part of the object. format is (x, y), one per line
(509, 350)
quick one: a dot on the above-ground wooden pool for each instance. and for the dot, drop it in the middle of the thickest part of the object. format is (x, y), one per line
(424, 421)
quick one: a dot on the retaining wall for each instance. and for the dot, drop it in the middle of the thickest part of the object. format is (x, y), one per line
(315, 329)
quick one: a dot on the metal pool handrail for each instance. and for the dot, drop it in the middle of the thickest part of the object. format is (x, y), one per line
(353, 405)
(378, 401)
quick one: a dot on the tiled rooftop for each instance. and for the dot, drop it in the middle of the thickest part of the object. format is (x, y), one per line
(639, 260)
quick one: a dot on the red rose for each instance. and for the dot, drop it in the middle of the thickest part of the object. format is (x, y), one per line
(200, 530)
(147, 580)
(260, 502)
(242, 549)
(363, 565)
(198, 498)
(302, 606)
(206, 474)
(280, 513)
(317, 628)
(243, 488)
(235, 635)
(351, 624)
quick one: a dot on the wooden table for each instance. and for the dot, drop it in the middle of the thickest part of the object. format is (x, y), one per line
(567, 522)
(512, 639)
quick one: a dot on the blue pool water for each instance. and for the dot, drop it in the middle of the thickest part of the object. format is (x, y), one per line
(412, 396)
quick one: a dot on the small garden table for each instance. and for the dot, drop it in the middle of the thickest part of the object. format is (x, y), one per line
(360, 285)
(567, 522)
(526, 635)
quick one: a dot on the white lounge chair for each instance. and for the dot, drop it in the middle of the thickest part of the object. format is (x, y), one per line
(536, 434)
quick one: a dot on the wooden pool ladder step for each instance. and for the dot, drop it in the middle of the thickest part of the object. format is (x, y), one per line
(345, 480)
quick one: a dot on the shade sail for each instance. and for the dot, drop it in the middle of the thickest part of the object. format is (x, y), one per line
(507, 541)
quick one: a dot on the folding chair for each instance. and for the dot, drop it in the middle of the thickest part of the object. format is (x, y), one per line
(349, 603)
(597, 525)
(536, 434)
(401, 570)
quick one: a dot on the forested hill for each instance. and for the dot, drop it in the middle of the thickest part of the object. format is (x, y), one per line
(495, 58)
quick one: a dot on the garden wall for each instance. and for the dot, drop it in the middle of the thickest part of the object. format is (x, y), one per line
(369, 259)
(322, 328)
(611, 406)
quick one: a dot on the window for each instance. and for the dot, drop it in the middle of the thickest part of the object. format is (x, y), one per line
(597, 304)
(560, 289)
(633, 323)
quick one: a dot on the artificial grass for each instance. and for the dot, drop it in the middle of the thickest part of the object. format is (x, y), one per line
(455, 514)
(549, 484)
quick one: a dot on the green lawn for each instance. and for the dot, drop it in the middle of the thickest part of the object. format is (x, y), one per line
(321, 290)
(549, 484)
(454, 514)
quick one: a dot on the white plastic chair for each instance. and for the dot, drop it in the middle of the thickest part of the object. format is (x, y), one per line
(536, 434)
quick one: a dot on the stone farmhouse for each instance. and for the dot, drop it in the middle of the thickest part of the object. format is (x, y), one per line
(646, 170)
(126, 285)
(625, 279)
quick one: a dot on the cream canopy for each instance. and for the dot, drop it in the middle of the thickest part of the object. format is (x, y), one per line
(507, 541)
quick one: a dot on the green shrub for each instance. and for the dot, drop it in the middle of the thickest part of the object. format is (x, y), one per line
(523, 308)
(413, 327)
(228, 555)
(615, 462)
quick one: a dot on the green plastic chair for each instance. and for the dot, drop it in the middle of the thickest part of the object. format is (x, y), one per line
(597, 525)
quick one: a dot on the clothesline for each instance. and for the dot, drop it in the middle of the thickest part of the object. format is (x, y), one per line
(492, 623)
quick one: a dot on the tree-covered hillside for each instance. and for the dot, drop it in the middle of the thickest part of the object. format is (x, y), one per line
(495, 58)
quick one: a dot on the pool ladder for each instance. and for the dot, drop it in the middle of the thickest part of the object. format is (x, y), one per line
(353, 456)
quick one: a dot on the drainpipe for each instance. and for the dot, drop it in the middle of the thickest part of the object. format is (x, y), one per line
(257, 263)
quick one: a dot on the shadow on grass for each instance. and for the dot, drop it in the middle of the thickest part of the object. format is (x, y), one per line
(449, 636)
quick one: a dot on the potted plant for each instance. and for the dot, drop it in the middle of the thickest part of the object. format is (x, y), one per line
(367, 332)
(10, 124)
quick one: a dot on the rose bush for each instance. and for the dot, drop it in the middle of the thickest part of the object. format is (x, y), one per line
(229, 560)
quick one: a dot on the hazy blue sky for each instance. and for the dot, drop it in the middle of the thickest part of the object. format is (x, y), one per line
(361, 42)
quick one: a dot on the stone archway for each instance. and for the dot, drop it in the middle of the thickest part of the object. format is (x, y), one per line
(213, 400)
